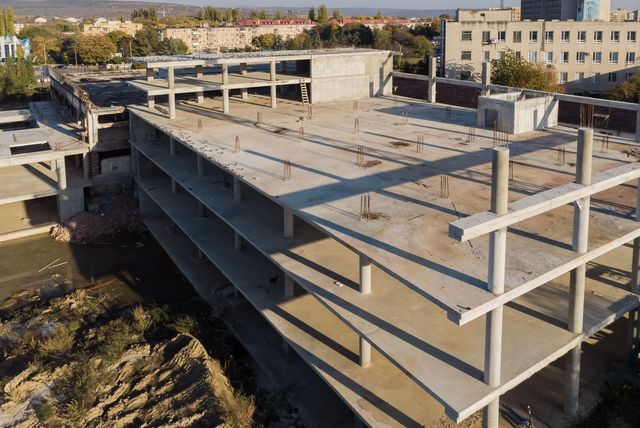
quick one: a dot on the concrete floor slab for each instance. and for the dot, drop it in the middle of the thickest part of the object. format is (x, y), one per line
(409, 239)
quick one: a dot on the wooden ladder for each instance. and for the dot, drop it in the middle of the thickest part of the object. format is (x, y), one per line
(303, 92)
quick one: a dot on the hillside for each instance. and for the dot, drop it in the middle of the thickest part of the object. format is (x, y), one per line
(92, 8)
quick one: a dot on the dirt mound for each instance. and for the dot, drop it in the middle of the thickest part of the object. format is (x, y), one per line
(173, 383)
(121, 216)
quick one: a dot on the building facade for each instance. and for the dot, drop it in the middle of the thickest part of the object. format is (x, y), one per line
(10, 46)
(103, 27)
(580, 10)
(589, 57)
(215, 39)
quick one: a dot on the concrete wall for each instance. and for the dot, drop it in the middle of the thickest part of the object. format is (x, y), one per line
(517, 115)
(115, 165)
(362, 76)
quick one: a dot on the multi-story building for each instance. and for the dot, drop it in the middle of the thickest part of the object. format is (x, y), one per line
(214, 39)
(102, 27)
(375, 24)
(10, 45)
(581, 10)
(488, 15)
(625, 15)
(589, 57)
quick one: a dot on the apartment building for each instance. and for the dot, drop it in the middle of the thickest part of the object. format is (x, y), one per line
(10, 46)
(373, 23)
(589, 57)
(215, 39)
(103, 27)
(625, 15)
(488, 15)
(580, 10)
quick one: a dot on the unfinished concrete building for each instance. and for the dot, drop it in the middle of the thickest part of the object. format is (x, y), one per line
(41, 170)
(425, 268)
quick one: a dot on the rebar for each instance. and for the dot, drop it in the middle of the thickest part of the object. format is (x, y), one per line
(356, 125)
(301, 133)
(420, 143)
(604, 144)
(309, 111)
(286, 170)
(199, 125)
(237, 145)
(360, 156)
(365, 207)
(562, 154)
(444, 186)
(471, 136)
(405, 119)
(355, 106)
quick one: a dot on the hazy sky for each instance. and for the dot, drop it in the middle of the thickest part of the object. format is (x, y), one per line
(400, 4)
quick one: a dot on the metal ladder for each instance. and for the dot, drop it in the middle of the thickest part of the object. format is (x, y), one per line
(303, 92)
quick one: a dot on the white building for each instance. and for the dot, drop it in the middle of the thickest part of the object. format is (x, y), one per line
(9, 46)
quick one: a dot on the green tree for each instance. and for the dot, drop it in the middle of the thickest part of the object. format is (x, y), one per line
(94, 49)
(382, 39)
(146, 42)
(629, 90)
(209, 13)
(323, 14)
(262, 14)
(299, 42)
(379, 15)
(336, 14)
(277, 15)
(312, 14)
(6, 21)
(142, 13)
(519, 73)
(172, 47)
(264, 41)
(422, 46)
(17, 78)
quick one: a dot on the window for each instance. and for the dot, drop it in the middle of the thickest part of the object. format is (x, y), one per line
(615, 37)
(631, 58)
(502, 36)
(613, 57)
(613, 77)
(465, 55)
(466, 35)
(580, 56)
(597, 37)
(564, 57)
(502, 54)
(565, 36)
(628, 76)
(533, 37)
(517, 36)
(533, 56)
(486, 36)
(580, 76)
(518, 54)
(465, 75)
(548, 57)
(582, 36)
(563, 77)
(486, 56)
(595, 78)
(548, 36)
(631, 36)
(597, 57)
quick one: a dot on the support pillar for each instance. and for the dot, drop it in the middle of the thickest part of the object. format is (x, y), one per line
(365, 274)
(289, 285)
(61, 173)
(243, 70)
(199, 71)
(365, 353)
(634, 315)
(486, 77)
(272, 73)
(225, 101)
(237, 189)
(151, 72)
(86, 167)
(202, 210)
(638, 124)
(225, 90)
(497, 257)
(174, 186)
(578, 276)
(172, 147)
(151, 101)
(288, 223)
(200, 97)
(171, 84)
(283, 67)
(273, 96)
(432, 79)
(237, 244)
(200, 165)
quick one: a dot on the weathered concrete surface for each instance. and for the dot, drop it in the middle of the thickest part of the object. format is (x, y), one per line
(409, 240)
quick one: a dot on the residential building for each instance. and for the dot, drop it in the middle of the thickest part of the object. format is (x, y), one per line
(9, 46)
(588, 56)
(488, 15)
(104, 27)
(580, 10)
(215, 39)
(625, 15)
(375, 24)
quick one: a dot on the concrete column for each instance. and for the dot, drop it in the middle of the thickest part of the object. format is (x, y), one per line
(171, 80)
(61, 173)
(225, 101)
(200, 97)
(273, 96)
(86, 165)
(151, 101)
(578, 276)
(289, 285)
(225, 74)
(199, 71)
(200, 165)
(172, 146)
(243, 70)
(272, 74)
(151, 72)
(288, 223)
(283, 67)
(638, 124)
(237, 244)
(365, 274)
(237, 189)
(202, 210)
(365, 353)
(634, 315)
(272, 71)
(497, 256)
(171, 84)
(174, 186)
(486, 77)
(244, 93)
(432, 79)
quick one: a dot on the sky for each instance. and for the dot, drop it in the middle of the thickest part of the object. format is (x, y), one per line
(396, 4)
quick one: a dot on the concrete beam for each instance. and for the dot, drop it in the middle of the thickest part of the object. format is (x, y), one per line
(483, 223)
(578, 276)
(497, 262)
(364, 353)
(365, 274)
(288, 223)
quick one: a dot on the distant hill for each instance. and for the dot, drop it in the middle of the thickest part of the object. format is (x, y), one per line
(92, 8)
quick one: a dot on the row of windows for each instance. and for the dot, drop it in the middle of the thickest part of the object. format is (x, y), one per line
(548, 57)
(596, 78)
(549, 36)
